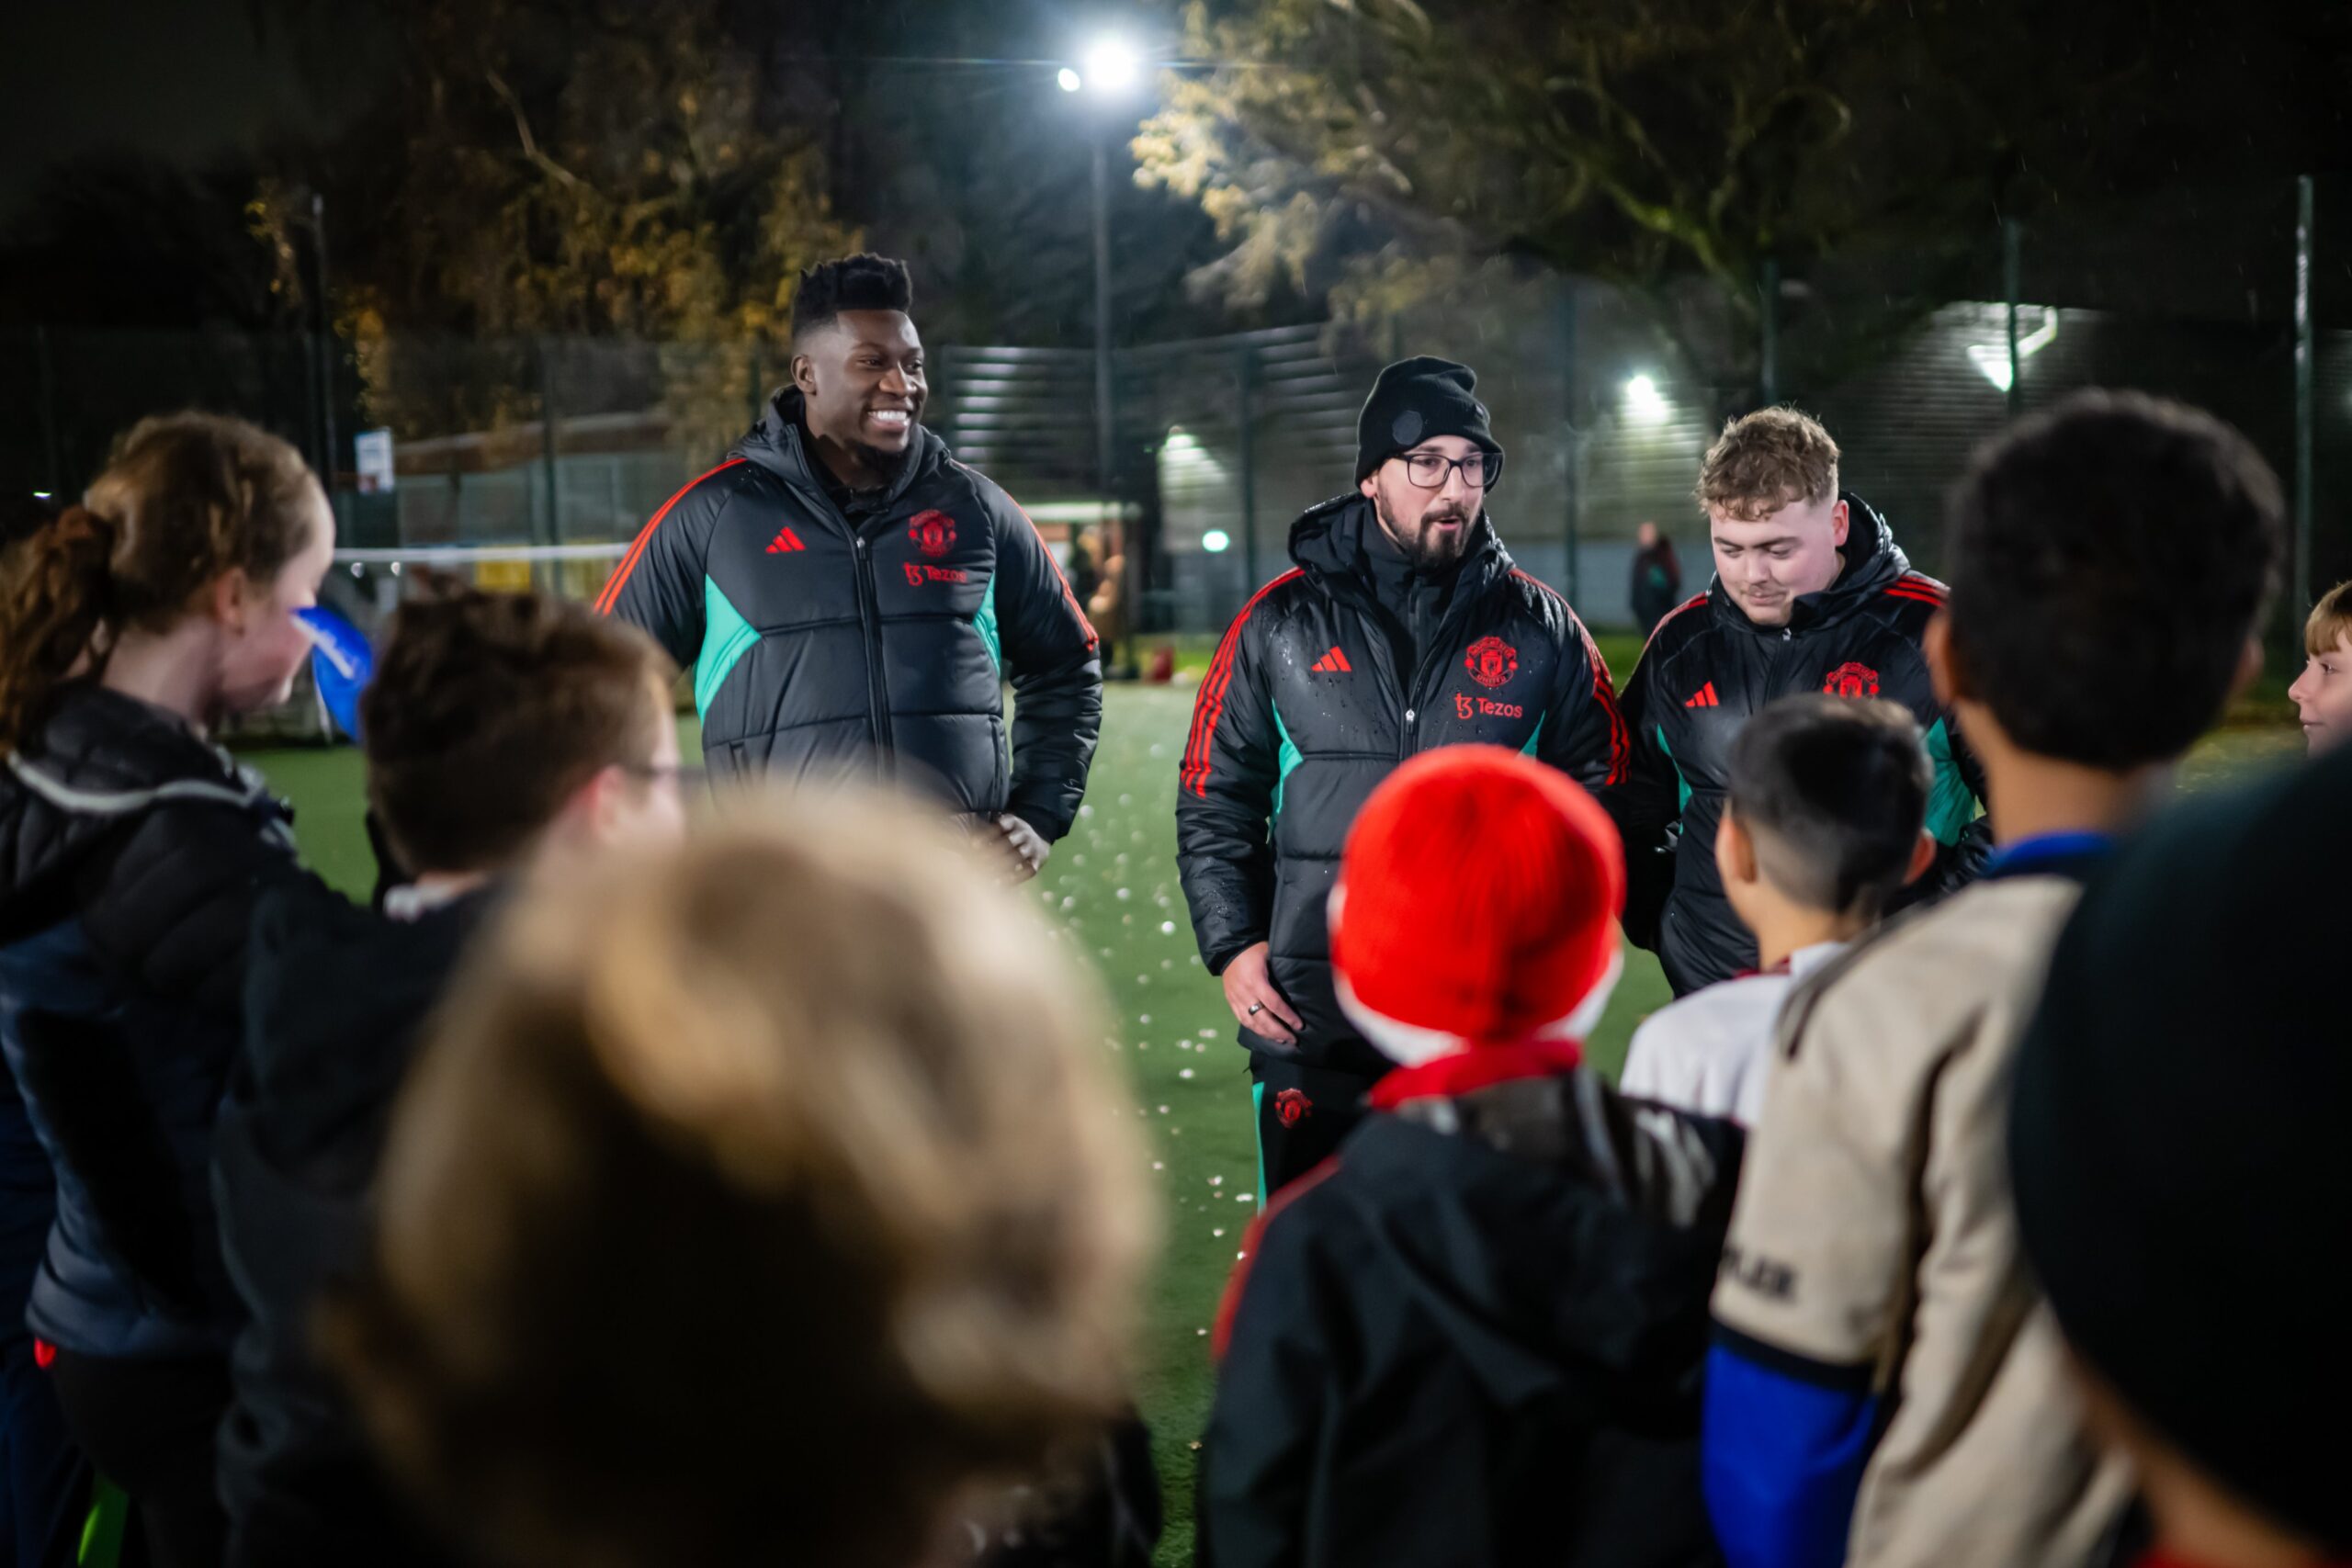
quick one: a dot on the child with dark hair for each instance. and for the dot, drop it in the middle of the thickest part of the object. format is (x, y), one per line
(505, 734)
(1887, 1388)
(1822, 825)
(132, 851)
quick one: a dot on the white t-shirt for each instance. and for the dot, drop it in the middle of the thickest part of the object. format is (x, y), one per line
(1707, 1053)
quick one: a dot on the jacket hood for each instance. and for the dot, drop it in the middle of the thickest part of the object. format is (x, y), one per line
(335, 995)
(1328, 544)
(1549, 1233)
(1873, 561)
(100, 760)
(778, 443)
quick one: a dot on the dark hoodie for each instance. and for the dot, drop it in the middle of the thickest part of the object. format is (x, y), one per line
(1309, 705)
(131, 853)
(1473, 1339)
(820, 644)
(1707, 666)
(336, 998)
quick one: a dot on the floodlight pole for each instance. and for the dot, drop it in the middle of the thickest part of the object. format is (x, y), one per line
(2012, 284)
(2303, 394)
(1105, 394)
(327, 341)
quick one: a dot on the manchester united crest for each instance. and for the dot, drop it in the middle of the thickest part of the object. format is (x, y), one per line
(1852, 680)
(1491, 661)
(933, 533)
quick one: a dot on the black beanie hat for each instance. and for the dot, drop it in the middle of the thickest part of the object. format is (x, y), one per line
(2176, 1139)
(1414, 399)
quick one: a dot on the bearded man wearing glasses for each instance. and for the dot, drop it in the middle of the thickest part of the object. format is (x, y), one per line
(1404, 627)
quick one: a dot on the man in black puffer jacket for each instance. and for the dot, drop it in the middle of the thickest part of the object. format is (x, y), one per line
(1810, 594)
(1404, 627)
(848, 595)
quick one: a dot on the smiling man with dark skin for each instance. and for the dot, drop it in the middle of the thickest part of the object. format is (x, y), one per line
(853, 599)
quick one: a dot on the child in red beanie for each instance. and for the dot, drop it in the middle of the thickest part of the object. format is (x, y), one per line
(1474, 1337)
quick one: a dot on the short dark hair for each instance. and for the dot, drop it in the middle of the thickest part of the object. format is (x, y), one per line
(2109, 559)
(1832, 792)
(862, 282)
(489, 710)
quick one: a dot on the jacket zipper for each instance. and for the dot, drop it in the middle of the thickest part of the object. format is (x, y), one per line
(869, 625)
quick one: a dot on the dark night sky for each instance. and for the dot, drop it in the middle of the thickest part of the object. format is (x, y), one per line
(189, 80)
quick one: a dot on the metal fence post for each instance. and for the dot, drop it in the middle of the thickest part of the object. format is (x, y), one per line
(1246, 423)
(1572, 497)
(547, 445)
(2012, 284)
(2303, 203)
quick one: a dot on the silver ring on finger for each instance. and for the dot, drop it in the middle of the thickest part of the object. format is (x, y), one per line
(1256, 1007)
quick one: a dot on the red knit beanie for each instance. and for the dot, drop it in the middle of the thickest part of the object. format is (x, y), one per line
(1476, 905)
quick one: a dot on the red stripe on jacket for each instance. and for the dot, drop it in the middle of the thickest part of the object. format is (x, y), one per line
(1604, 691)
(1221, 1336)
(1093, 642)
(612, 591)
(1210, 706)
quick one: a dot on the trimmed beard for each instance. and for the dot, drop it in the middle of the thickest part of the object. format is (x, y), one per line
(1417, 551)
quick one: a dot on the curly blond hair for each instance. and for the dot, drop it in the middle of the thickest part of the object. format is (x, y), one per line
(1766, 461)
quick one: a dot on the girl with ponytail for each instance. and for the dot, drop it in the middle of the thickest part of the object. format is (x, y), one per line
(131, 851)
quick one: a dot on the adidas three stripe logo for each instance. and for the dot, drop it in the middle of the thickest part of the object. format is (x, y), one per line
(784, 543)
(1704, 697)
(1333, 663)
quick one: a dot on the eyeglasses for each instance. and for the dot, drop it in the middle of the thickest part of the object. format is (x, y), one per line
(684, 777)
(1429, 470)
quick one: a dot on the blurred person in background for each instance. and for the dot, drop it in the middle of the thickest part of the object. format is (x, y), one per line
(1656, 585)
(766, 1200)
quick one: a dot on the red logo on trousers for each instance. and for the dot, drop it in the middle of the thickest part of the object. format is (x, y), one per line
(1292, 1107)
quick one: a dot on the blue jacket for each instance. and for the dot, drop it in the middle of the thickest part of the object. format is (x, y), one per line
(131, 853)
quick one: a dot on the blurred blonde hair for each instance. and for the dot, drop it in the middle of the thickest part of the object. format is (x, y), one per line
(751, 1198)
